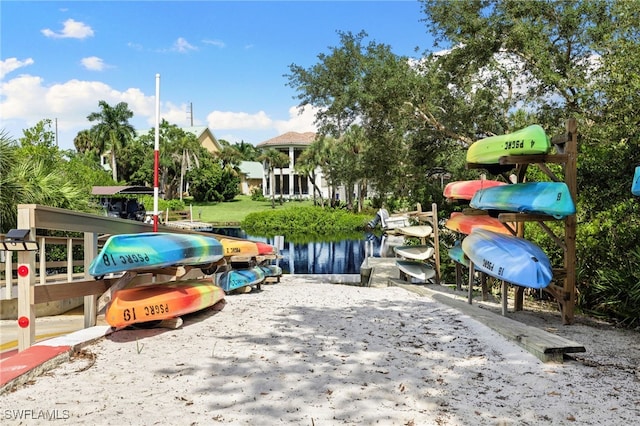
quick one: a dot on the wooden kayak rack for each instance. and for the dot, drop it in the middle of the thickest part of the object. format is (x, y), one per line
(563, 285)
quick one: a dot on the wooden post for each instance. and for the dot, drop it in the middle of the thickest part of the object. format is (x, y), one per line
(470, 299)
(504, 298)
(436, 240)
(569, 288)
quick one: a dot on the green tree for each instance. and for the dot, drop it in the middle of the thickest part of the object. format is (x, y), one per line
(112, 131)
(559, 60)
(273, 158)
(364, 84)
(306, 166)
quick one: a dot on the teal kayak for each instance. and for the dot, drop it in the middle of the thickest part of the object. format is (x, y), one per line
(527, 141)
(131, 252)
(234, 279)
(635, 186)
(549, 198)
(509, 258)
(457, 254)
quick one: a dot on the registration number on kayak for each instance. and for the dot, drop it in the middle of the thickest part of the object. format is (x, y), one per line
(129, 259)
(517, 144)
(148, 311)
(489, 266)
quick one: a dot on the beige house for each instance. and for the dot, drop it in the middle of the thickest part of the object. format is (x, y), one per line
(251, 175)
(204, 135)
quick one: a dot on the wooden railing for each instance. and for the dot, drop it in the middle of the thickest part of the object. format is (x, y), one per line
(36, 287)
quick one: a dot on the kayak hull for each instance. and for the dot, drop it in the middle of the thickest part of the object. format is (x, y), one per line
(161, 301)
(509, 258)
(457, 255)
(528, 141)
(465, 189)
(548, 198)
(235, 279)
(421, 253)
(416, 269)
(130, 252)
(460, 222)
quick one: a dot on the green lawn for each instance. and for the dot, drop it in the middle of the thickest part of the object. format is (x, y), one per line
(236, 210)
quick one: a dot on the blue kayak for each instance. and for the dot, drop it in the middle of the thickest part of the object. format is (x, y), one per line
(509, 258)
(549, 198)
(635, 186)
(233, 279)
(131, 252)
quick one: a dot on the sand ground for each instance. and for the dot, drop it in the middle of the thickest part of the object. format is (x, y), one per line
(307, 353)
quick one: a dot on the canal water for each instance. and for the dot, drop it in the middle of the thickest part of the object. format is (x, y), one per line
(341, 257)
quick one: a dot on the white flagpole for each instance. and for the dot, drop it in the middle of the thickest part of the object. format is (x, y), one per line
(156, 157)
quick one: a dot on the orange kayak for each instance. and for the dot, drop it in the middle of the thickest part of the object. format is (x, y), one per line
(161, 301)
(464, 224)
(242, 248)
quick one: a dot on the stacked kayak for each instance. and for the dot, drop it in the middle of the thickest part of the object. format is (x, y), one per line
(528, 141)
(457, 254)
(235, 279)
(416, 269)
(240, 248)
(509, 258)
(548, 198)
(635, 186)
(421, 253)
(158, 302)
(134, 252)
(460, 222)
(466, 189)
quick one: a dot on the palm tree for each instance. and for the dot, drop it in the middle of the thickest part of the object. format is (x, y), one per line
(113, 130)
(271, 158)
(25, 179)
(281, 161)
(306, 167)
(10, 191)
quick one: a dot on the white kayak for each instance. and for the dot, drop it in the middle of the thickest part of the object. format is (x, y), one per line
(415, 269)
(414, 252)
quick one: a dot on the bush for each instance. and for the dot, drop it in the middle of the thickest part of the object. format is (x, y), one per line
(303, 224)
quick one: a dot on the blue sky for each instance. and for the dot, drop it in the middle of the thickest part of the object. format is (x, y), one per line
(227, 59)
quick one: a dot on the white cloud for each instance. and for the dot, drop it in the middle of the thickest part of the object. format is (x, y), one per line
(217, 43)
(299, 120)
(27, 100)
(12, 64)
(182, 45)
(71, 29)
(238, 120)
(93, 63)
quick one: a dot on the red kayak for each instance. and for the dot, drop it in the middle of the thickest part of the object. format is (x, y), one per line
(465, 189)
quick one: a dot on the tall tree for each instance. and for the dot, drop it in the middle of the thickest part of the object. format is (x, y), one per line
(365, 84)
(272, 158)
(112, 131)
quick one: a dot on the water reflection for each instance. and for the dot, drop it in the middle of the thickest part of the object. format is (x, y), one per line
(341, 257)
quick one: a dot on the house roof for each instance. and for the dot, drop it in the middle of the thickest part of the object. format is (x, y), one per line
(252, 169)
(288, 139)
